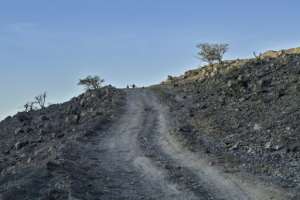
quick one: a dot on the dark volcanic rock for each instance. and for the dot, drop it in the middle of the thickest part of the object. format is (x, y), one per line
(247, 111)
(40, 150)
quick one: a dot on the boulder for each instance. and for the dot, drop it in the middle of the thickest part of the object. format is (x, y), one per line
(268, 145)
(73, 119)
(18, 131)
(19, 145)
(53, 165)
(257, 127)
(57, 135)
(293, 147)
(22, 117)
(235, 146)
(44, 118)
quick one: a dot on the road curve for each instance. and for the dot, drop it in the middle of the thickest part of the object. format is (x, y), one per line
(142, 161)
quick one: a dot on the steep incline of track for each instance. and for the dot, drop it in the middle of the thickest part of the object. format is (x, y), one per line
(140, 160)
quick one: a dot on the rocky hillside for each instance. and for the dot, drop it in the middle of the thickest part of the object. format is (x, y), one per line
(42, 153)
(246, 113)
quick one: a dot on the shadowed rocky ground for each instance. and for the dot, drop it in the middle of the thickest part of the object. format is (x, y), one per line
(42, 153)
(226, 131)
(244, 112)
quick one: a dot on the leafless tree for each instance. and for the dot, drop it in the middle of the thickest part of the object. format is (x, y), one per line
(41, 100)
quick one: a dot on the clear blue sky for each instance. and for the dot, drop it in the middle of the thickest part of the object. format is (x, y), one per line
(47, 45)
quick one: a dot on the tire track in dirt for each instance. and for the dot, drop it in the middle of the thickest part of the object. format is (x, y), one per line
(132, 175)
(142, 161)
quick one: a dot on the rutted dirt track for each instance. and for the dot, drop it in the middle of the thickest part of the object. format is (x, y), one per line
(142, 161)
(224, 131)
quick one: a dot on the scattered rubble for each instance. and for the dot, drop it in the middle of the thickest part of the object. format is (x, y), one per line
(42, 150)
(246, 112)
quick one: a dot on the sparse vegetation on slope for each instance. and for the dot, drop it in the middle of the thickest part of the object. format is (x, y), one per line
(245, 112)
(211, 53)
(43, 152)
(39, 100)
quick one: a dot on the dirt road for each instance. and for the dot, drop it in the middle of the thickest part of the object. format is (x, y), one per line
(141, 160)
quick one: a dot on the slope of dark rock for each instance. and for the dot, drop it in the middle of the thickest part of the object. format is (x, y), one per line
(43, 153)
(244, 112)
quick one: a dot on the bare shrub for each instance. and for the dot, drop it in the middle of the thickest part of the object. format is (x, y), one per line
(41, 100)
(29, 106)
(91, 82)
(258, 58)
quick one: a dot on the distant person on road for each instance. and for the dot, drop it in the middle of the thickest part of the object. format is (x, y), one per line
(133, 86)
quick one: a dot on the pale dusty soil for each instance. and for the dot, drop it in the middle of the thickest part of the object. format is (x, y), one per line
(144, 162)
